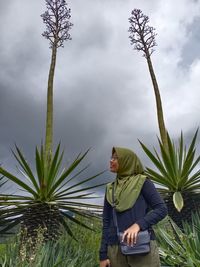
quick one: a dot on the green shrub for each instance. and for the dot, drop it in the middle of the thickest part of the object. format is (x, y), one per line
(180, 248)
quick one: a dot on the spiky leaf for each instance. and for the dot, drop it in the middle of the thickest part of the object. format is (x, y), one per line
(178, 201)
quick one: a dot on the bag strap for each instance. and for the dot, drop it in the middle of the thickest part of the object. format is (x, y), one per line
(114, 211)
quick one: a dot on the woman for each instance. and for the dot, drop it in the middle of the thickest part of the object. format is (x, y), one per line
(134, 195)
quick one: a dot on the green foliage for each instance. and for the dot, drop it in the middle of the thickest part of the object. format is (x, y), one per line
(176, 172)
(2, 249)
(2, 182)
(65, 252)
(64, 189)
(180, 248)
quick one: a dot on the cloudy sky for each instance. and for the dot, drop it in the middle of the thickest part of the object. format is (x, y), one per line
(103, 92)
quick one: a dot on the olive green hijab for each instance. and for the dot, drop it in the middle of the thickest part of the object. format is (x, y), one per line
(129, 180)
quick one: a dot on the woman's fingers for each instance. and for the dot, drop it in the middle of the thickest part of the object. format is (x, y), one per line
(105, 263)
(130, 237)
(124, 236)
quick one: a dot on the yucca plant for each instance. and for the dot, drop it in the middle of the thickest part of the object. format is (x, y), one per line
(180, 247)
(178, 176)
(64, 252)
(48, 196)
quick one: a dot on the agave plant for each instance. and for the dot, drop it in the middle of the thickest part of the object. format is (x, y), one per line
(177, 247)
(48, 196)
(64, 252)
(178, 176)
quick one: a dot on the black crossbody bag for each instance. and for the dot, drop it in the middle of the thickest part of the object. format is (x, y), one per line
(142, 245)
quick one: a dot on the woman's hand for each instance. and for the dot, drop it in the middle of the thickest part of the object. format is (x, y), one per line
(105, 263)
(130, 235)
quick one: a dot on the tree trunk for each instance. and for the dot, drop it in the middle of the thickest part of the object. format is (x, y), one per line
(49, 114)
(161, 123)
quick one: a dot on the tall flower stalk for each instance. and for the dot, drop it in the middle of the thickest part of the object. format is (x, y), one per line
(58, 25)
(142, 37)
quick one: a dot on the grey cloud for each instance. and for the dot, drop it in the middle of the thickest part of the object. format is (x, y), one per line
(4, 8)
(94, 34)
(190, 50)
(103, 93)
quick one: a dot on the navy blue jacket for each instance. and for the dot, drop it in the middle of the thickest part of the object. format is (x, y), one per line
(148, 209)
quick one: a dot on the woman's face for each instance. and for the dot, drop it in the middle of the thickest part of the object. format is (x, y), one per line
(114, 165)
